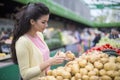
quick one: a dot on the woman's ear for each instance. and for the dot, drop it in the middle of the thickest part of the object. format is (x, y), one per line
(32, 22)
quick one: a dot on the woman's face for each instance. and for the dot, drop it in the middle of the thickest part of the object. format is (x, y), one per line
(41, 23)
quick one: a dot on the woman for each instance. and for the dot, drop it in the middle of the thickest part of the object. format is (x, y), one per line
(29, 49)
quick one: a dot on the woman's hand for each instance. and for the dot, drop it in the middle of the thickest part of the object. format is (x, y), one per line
(57, 59)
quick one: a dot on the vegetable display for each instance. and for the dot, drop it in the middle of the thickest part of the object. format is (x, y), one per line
(93, 66)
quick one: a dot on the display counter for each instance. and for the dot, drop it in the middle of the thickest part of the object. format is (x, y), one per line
(8, 70)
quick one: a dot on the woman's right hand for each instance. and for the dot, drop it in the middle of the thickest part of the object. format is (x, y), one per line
(57, 59)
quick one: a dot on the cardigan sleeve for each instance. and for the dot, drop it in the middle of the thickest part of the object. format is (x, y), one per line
(22, 53)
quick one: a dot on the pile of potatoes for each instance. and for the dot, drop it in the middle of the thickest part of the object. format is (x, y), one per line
(92, 66)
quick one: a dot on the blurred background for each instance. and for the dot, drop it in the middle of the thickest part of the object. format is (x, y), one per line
(75, 25)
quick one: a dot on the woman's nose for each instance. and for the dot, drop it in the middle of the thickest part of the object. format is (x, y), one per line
(46, 25)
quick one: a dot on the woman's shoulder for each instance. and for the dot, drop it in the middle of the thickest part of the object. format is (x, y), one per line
(23, 39)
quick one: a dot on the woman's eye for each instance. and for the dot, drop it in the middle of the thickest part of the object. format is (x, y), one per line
(43, 22)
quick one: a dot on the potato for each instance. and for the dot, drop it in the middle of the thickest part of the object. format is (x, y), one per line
(105, 78)
(68, 69)
(96, 71)
(70, 55)
(86, 57)
(82, 63)
(83, 71)
(59, 72)
(94, 78)
(92, 59)
(110, 66)
(75, 68)
(89, 67)
(42, 78)
(118, 59)
(102, 72)
(65, 79)
(116, 73)
(54, 72)
(66, 75)
(119, 72)
(98, 65)
(104, 60)
(118, 65)
(59, 77)
(91, 73)
(117, 78)
(51, 78)
(110, 73)
(104, 55)
(49, 72)
(78, 76)
(112, 59)
(73, 78)
(71, 63)
(85, 77)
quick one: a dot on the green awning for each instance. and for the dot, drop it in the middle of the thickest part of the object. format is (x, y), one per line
(64, 12)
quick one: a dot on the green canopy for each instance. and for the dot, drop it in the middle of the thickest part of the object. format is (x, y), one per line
(64, 12)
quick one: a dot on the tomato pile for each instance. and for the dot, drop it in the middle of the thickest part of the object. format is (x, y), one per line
(104, 47)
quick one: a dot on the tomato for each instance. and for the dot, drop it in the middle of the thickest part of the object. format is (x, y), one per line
(108, 45)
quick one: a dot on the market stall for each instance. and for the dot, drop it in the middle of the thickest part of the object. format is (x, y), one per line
(93, 64)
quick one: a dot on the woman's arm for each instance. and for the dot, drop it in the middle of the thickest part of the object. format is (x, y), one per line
(52, 61)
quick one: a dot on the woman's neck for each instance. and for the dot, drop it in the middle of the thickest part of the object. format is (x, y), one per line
(32, 33)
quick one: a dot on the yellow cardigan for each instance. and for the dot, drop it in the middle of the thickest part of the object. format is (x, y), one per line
(29, 58)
